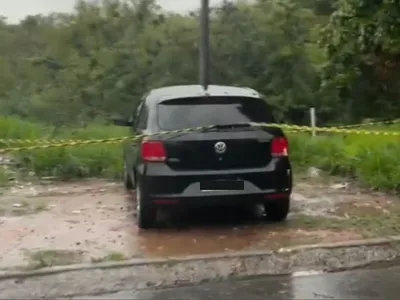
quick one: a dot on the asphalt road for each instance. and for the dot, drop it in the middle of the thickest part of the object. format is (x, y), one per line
(382, 283)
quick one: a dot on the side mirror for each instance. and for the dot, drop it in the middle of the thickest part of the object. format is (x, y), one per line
(122, 122)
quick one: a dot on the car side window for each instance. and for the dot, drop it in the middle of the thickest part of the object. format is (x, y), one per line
(135, 115)
(136, 112)
(142, 118)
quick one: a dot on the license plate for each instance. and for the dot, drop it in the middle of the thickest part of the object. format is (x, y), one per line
(222, 185)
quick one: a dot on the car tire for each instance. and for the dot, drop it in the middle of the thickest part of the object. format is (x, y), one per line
(146, 212)
(278, 210)
(129, 182)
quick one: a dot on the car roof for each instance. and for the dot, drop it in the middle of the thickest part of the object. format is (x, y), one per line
(190, 91)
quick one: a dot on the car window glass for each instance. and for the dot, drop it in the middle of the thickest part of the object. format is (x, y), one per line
(136, 112)
(186, 113)
(135, 115)
(142, 119)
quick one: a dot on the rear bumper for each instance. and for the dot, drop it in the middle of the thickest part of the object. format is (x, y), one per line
(163, 185)
(221, 200)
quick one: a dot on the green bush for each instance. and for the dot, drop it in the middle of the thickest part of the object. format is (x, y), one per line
(374, 160)
(102, 160)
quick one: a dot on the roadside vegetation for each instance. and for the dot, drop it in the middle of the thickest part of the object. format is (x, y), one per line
(369, 159)
(63, 76)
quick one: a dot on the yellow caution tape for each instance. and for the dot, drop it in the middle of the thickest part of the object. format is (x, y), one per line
(285, 127)
(38, 141)
(69, 143)
(327, 129)
(395, 121)
(75, 142)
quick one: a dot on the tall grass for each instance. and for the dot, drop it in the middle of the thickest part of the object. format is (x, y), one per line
(374, 160)
(99, 160)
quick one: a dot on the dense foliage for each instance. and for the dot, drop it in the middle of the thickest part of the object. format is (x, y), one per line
(339, 56)
(76, 70)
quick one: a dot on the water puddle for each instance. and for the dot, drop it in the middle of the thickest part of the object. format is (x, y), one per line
(162, 244)
(97, 221)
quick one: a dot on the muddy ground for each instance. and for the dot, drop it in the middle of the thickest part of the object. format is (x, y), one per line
(93, 220)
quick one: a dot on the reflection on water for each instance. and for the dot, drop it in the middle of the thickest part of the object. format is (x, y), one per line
(219, 230)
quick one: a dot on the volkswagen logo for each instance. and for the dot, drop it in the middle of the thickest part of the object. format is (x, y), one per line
(220, 147)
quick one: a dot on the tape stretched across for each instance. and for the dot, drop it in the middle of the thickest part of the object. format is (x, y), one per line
(47, 144)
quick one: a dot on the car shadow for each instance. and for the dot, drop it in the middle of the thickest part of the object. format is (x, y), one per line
(179, 217)
(214, 216)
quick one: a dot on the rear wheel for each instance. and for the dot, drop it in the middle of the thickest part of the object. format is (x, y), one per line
(277, 210)
(129, 182)
(146, 212)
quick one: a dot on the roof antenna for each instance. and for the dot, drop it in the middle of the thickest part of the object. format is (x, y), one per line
(204, 44)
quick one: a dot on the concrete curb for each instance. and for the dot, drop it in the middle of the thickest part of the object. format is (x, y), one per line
(144, 273)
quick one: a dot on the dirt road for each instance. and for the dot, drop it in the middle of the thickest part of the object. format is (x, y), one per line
(93, 221)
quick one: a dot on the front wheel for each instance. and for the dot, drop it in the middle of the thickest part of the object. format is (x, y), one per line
(146, 213)
(277, 210)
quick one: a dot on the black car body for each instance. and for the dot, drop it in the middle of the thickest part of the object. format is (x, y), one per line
(232, 163)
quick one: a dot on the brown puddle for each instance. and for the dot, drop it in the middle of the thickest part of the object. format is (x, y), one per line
(98, 221)
(243, 239)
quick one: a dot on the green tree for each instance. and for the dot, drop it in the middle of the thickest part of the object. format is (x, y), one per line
(362, 42)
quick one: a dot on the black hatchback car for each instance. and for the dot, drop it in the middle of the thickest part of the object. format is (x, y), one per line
(229, 164)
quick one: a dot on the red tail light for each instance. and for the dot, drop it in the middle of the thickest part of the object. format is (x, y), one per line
(280, 147)
(153, 151)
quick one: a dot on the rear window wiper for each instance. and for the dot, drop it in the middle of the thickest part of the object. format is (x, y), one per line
(225, 127)
(233, 125)
(214, 128)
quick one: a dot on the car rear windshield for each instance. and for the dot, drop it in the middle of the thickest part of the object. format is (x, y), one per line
(193, 112)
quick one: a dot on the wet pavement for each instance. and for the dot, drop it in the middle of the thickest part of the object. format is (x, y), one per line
(382, 283)
(93, 221)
